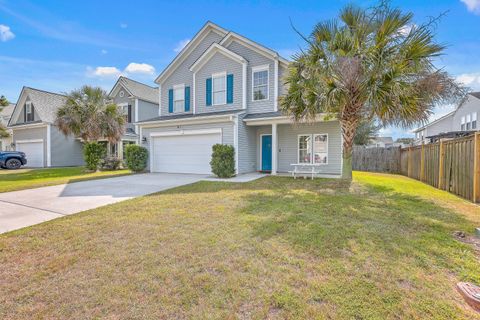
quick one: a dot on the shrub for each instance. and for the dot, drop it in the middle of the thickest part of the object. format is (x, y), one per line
(223, 160)
(111, 163)
(93, 153)
(136, 157)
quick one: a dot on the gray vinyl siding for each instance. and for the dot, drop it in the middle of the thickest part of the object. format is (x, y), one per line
(66, 151)
(254, 60)
(227, 131)
(182, 74)
(282, 73)
(147, 110)
(246, 146)
(20, 117)
(126, 100)
(444, 125)
(288, 144)
(471, 105)
(218, 63)
(32, 134)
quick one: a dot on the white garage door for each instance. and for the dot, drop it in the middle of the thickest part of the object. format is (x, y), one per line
(188, 153)
(33, 152)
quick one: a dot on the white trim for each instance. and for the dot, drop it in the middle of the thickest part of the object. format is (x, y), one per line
(49, 146)
(110, 94)
(283, 120)
(136, 115)
(159, 100)
(228, 39)
(182, 55)
(218, 75)
(185, 132)
(259, 69)
(210, 53)
(235, 143)
(196, 120)
(175, 87)
(29, 141)
(312, 145)
(150, 150)
(194, 104)
(244, 86)
(275, 85)
(28, 126)
(261, 149)
(274, 148)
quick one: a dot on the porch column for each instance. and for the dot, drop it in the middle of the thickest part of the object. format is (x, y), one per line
(274, 149)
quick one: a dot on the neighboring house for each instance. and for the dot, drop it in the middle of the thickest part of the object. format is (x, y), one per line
(34, 133)
(139, 102)
(224, 88)
(380, 142)
(5, 115)
(463, 118)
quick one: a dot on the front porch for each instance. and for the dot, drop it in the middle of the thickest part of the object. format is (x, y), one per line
(280, 145)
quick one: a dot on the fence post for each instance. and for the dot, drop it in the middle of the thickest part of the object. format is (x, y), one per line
(441, 154)
(476, 171)
(422, 163)
(409, 162)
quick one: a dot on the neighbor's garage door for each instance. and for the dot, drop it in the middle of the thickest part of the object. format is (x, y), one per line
(189, 153)
(33, 151)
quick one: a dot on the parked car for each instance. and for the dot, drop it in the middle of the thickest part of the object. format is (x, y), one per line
(12, 159)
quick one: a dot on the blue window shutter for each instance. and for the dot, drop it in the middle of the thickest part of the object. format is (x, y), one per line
(230, 88)
(209, 91)
(187, 99)
(170, 100)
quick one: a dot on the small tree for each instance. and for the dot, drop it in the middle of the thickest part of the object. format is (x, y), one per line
(93, 153)
(366, 130)
(223, 160)
(136, 157)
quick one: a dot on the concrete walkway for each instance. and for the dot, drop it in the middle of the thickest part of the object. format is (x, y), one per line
(24, 208)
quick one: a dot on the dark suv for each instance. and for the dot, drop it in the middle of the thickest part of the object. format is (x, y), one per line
(12, 159)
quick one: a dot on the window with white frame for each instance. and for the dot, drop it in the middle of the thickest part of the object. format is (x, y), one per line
(462, 124)
(474, 121)
(29, 111)
(178, 98)
(219, 88)
(313, 148)
(468, 121)
(260, 83)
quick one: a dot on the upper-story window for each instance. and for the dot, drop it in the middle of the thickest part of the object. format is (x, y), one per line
(29, 114)
(127, 112)
(469, 122)
(219, 88)
(474, 121)
(462, 124)
(260, 83)
(178, 98)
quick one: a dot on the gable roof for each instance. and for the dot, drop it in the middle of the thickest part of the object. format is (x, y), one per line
(228, 36)
(207, 27)
(45, 103)
(210, 52)
(137, 89)
(475, 94)
(6, 112)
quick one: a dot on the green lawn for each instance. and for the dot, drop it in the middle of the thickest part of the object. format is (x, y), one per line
(275, 248)
(12, 180)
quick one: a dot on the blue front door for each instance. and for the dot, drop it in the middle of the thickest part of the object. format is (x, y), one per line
(267, 153)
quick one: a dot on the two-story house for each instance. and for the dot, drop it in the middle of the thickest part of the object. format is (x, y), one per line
(463, 118)
(34, 132)
(224, 88)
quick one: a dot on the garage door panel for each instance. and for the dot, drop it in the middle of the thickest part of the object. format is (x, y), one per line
(184, 153)
(34, 152)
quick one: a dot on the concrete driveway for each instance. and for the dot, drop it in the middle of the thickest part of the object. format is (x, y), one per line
(24, 208)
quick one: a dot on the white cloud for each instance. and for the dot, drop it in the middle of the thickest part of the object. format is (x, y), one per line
(123, 25)
(103, 72)
(103, 51)
(471, 80)
(140, 68)
(405, 30)
(472, 5)
(181, 45)
(5, 33)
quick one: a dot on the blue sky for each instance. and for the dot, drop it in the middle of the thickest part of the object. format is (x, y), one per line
(61, 45)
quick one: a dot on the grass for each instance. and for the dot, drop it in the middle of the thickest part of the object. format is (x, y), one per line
(13, 180)
(275, 248)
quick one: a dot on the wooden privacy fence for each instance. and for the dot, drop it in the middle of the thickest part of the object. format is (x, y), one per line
(451, 165)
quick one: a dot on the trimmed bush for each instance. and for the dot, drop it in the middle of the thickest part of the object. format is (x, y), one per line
(93, 153)
(223, 160)
(136, 157)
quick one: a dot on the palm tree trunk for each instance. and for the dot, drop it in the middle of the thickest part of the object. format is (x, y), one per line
(349, 126)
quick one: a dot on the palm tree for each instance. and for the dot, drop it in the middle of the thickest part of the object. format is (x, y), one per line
(369, 64)
(88, 114)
